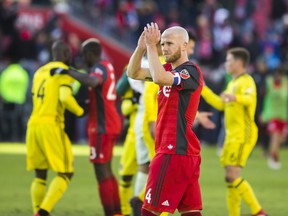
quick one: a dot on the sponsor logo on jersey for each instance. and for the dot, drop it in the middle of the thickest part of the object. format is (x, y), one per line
(170, 146)
(166, 90)
(165, 203)
(184, 74)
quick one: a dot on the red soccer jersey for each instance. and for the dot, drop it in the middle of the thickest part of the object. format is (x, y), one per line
(177, 108)
(103, 115)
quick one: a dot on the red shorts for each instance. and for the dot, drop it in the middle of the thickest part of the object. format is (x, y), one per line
(173, 183)
(276, 125)
(101, 147)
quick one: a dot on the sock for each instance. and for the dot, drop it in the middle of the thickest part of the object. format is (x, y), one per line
(116, 198)
(125, 189)
(140, 182)
(43, 212)
(38, 191)
(275, 156)
(247, 194)
(233, 199)
(105, 188)
(145, 212)
(56, 190)
(136, 205)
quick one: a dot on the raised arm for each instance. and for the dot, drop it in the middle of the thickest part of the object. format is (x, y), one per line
(158, 73)
(211, 98)
(134, 69)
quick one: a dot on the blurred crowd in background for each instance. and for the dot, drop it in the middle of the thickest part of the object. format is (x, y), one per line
(260, 26)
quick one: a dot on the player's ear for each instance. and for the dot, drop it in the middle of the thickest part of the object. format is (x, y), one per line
(185, 46)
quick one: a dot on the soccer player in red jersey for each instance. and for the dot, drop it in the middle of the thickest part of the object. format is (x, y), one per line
(104, 124)
(174, 171)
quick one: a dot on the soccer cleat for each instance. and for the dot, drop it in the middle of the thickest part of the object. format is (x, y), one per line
(272, 164)
(261, 213)
(136, 205)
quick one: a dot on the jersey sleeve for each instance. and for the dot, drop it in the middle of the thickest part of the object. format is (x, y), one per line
(66, 95)
(211, 98)
(189, 78)
(100, 71)
(247, 93)
(122, 85)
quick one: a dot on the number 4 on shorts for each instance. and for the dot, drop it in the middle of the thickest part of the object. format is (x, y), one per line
(148, 195)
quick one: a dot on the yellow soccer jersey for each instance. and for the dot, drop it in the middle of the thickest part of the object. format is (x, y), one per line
(150, 98)
(51, 95)
(239, 115)
(150, 101)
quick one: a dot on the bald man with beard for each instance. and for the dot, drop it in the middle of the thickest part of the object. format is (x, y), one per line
(173, 181)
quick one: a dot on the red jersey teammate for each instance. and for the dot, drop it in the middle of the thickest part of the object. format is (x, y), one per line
(103, 121)
(174, 171)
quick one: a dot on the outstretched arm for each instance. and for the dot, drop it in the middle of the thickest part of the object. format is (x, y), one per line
(211, 98)
(85, 79)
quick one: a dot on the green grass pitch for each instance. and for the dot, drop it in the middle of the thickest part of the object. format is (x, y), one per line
(81, 198)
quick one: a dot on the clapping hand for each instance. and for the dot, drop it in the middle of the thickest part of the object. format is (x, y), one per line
(152, 34)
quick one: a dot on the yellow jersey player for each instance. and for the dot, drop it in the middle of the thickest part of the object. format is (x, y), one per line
(128, 163)
(48, 146)
(238, 103)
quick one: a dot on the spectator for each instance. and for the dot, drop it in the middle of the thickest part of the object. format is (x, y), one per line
(275, 114)
(14, 83)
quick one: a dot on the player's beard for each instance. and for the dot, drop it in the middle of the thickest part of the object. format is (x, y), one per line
(174, 57)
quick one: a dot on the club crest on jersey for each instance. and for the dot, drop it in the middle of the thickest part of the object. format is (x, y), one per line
(98, 71)
(167, 90)
(184, 74)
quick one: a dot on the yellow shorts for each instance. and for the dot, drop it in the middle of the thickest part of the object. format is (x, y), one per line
(48, 147)
(128, 162)
(236, 153)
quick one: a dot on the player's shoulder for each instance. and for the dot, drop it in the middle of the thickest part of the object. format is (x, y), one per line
(190, 66)
(106, 64)
(189, 69)
(101, 68)
(247, 78)
(50, 65)
(56, 64)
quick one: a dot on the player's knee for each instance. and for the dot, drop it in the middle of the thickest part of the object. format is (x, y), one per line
(66, 176)
(42, 174)
(102, 171)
